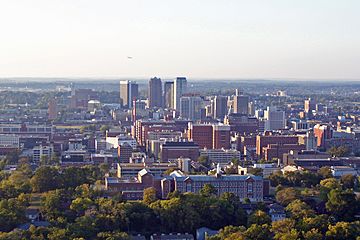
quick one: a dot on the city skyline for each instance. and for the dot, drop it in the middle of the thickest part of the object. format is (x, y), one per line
(209, 40)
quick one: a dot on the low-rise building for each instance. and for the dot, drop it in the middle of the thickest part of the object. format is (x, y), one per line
(98, 158)
(267, 168)
(339, 171)
(243, 186)
(221, 156)
(276, 212)
(172, 150)
(39, 152)
(127, 170)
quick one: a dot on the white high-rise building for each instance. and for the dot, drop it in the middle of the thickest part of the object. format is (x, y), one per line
(274, 119)
(241, 103)
(180, 87)
(128, 92)
(190, 108)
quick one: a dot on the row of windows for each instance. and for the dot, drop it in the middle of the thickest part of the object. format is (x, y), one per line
(4, 129)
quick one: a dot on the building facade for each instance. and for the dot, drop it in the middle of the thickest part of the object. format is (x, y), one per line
(180, 87)
(128, 91)
(155, 92)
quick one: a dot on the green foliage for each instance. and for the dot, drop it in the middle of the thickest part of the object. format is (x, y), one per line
(12, 157)
(342, 204)
(326, 186)
(259, 217)
(258, 232)
(56, 204)
(343, 230)
(312, 234)
(229, 232)
(325, 172)
(188, 212)
(15, 184)
(116, 235)
(45, 179)
(295, 179)
(348, 181)
(287, 195)
(341, 151)
(208, 190)
(282, 228)
(255, 171)
(79, 205)
(149, 195)
(204, 161)
(299, 210)
(12, 213)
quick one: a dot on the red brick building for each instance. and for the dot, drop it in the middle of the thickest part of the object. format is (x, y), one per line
(242, 123)
(201, 134)
(221, 136)
(174, 150)
(277, 151)
(269, 139)
(243, 186)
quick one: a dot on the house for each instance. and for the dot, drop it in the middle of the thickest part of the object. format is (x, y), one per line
(170, 236)
(276, 212)
(204, 232)
(32, 214)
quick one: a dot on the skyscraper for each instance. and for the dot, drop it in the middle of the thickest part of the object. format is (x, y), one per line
(241, 103)
(274, 119)
(155, 92)
(180, 87)
(52, 109)
(309, 105)
(220, 107)
(128, 91)
(190, 107)
(169, 94)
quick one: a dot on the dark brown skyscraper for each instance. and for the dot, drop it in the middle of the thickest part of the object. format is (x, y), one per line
(155, 92)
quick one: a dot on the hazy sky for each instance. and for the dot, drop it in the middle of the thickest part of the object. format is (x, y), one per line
(193, 38)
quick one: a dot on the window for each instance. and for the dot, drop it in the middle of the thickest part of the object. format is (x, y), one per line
(250, 187)
(188, 187)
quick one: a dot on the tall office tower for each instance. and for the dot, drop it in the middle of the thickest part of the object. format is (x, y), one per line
(190, 108)
(251, 109)
(128, 91)
(155, 92)
(220, 107)
(274, 119)
(309, 105)
(241, 103)
(52, 109)
(169, 94)
(180, 87)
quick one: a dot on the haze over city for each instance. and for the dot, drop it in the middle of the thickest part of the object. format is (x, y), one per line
(179, 120)
(203, 39)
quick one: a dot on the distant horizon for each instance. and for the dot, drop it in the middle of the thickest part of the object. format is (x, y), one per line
(169, 78)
